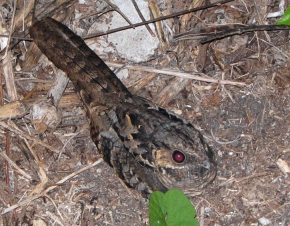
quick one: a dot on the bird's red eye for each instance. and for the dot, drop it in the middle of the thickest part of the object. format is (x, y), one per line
(178, 156)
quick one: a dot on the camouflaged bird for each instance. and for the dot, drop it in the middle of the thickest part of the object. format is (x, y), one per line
(148, 148)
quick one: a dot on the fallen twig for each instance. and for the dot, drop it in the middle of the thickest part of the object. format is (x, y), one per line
(177, 73)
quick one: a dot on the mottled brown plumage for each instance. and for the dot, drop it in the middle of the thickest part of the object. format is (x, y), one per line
(149, 148)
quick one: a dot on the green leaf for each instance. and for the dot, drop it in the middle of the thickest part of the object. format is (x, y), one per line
(171, 209)
(179, 209)
(157, 211)
(285, 20)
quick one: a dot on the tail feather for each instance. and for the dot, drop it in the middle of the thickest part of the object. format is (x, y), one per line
(71, 54)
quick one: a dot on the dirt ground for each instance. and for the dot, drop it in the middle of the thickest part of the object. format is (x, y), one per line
(241, 107)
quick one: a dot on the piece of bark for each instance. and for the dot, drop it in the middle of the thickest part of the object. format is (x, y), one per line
(9, 77)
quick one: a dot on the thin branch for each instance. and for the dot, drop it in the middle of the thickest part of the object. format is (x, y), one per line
(240, 29)
(116, 8)
(2, 153)
(177, 73)
(142, 18)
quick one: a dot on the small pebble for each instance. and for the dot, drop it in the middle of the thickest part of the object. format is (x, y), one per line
(264, 221)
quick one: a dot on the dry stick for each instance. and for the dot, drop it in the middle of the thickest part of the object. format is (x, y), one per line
(203, 32)
(2, 153)
(9, 77)
(53, 203)
(41, 171)
(12, 95)
(116, 8)
(142, 18)
(177, 73)
(30, 199)
(158, 25)
(238, 30)
(7, 165)
(22, 13)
